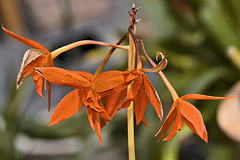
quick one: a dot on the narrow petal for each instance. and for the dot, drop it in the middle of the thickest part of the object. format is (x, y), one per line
(93, 118)
(153, 96)
(204, 97)
(49, 95)
(67, 107)
(168, 121)
(144, 121)
(178, 125)
(167, 124)
(38, 80)
(63, 77)
(133, 92)
(26, 41)
(192, 114)
(49, 63)
(140, 105)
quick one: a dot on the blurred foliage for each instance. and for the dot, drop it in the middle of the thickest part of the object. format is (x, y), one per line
(195, 37)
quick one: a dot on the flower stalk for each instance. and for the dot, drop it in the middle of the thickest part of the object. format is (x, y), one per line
(58, 51)
(131, 66)
(161, 74)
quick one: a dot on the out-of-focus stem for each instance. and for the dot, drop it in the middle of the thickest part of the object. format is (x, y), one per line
(58, 51)
(100, 68)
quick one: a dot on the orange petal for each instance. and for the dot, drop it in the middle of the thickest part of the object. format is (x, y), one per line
(91, 101)
(49, 60)
(178, 125)
(192, 114)
(114, 90)
(140, 105)
(144, 121)
(93, 118)
(133, 92)
(49, 95)
(128, 78)
(38, 80)
(204, 136)
(112, 104)
(108, 80)
(26, 41)
(86, 75)
(67, 107)
(204, 97)
(168, 121)
(63, 77)
(153, 96)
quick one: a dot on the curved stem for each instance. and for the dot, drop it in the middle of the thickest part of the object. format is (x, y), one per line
(58, 51)
(165, 80)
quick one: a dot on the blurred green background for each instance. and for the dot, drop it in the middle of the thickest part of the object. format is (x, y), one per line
(201, 40)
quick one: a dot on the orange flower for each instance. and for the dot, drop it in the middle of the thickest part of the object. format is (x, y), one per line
(38, 57)
(140, 93)
(183, 111)
(88, 92)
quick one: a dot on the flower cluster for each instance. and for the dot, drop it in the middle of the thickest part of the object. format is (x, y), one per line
(105, 93)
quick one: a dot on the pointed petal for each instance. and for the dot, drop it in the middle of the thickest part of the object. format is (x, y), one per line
(178, 125)
(140, 105)
(112, 104)
(204, 136)
(49, 95)
(153, 96)
(192, 114)
(168, 121)
(133, 92)
(38, 80)
(63, 77)
(167, 124)
(26, 41)
(204, 97)
(67, 107)
(93, 118)
(144, 121)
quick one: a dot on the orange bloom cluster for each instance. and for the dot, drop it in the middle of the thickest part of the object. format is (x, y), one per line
(104, 94)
